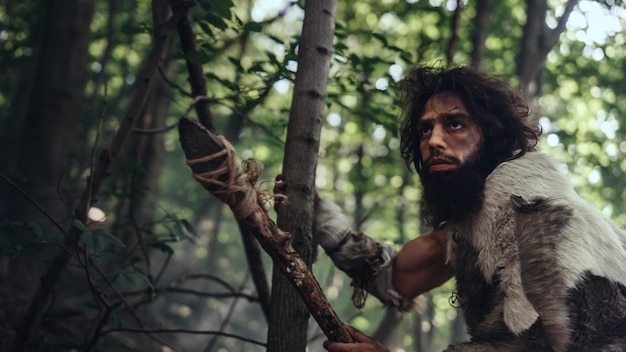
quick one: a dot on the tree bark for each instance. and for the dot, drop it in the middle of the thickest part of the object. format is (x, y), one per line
(288, 325)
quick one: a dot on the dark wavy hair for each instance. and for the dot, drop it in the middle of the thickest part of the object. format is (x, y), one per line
(497, 108)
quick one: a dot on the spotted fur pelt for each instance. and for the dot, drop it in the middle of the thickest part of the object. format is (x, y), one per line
(539, 268)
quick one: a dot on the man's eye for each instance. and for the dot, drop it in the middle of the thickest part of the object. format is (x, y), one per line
(423, 131)
(456, 125)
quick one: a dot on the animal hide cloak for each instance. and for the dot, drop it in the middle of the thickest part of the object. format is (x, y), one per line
(538, 266)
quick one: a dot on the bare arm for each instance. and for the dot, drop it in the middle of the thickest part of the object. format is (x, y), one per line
(418, 267)
(421, 264)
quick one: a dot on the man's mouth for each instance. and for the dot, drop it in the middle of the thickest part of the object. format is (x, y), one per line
(440, 164)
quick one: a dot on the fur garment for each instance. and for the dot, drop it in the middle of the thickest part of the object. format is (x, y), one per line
(368, 262)
(540, 265)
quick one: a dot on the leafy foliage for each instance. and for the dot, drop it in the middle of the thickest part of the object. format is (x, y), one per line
(248, 51)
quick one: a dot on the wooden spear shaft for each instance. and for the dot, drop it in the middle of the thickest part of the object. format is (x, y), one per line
(197, 143)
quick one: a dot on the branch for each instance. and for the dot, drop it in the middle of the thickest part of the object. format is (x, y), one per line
(161, 130)
(184, 331)
(537, 41)
(225, 321)
(553, 36)
(161, 291)
(196, 76)
(33, 202)
(207, 154)
(201, 105)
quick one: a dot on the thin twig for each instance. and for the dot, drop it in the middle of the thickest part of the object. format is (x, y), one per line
(158, 276)
(33, 202)
(172, 84)
(553, 36)
(226, 320)
(183, 331)
(160, 291)
(155, 130)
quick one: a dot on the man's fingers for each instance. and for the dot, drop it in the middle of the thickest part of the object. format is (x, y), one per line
(280, 185)
(279, 191)
(357, 335)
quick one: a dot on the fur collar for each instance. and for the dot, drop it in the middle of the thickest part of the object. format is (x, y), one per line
(586, 241)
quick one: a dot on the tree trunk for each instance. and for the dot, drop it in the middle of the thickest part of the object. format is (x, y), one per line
(288, 321)
(418, 334)
(45, 123)
(484, 8)
(529, 59)
(537, 42)
(388, 325)
(454, 34)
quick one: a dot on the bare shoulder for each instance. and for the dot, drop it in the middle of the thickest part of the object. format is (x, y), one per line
(435, 243)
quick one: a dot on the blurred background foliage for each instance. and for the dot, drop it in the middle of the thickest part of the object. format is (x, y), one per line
(247, 49)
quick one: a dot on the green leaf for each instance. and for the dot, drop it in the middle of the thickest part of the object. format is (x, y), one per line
(236, 63)
(126, 278)
(206, 28)
(253, 27)
(143, 276)
(163, 247)
(198, 57)
(35, 228)
(178, 231)
(222, 7)
(380, 37)
(110, 238)
(216, 21)
(92, 241)
(80, 225)
(188, 227)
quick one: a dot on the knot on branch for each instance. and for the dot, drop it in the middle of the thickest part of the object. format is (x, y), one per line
(233, 184)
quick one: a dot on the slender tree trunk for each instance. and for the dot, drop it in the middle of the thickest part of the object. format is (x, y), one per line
(359, 192)
(418, 340)
(55, 105)
(146, 153)
(481, 21)
(530, 61)
(388, 325)
(454, 36)
(289, 317)
(430, 317)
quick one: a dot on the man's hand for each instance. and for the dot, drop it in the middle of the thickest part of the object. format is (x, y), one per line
(331, 226)
(363, 343)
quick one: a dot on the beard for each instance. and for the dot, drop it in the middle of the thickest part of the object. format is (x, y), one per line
(454, 195)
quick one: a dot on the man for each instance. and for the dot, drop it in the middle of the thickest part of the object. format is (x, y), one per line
(537, 267)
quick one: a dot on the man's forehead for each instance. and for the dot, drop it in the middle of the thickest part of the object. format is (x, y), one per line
(443, 104)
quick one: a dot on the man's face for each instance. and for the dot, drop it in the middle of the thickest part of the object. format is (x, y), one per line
(448, 135)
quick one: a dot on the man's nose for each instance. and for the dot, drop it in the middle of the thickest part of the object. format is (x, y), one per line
(437, 138)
